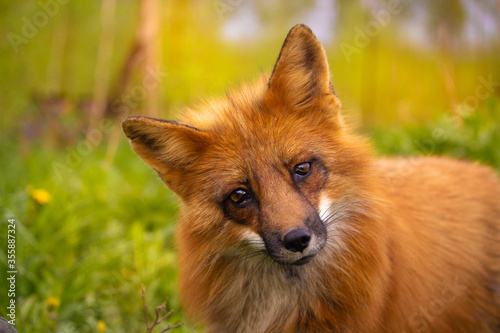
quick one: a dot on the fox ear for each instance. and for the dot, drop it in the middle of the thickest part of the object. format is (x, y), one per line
(300, 78)
(167, 146)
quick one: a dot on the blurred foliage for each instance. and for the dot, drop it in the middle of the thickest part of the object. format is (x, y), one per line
(105, 232)
(474, 136)
(94, 223)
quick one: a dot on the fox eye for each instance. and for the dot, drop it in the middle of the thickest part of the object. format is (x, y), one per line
(240, 197)
(301, 171)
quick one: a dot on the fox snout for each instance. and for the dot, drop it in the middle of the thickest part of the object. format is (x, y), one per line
(296, 246)
(297, 240)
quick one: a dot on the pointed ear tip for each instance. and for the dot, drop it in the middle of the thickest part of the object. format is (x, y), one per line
(128, 125)
(301, 29)
(303, 36)
(130, 119)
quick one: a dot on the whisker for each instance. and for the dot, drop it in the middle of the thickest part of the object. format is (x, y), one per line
(332, 214)
(327, 211)
(337, 218)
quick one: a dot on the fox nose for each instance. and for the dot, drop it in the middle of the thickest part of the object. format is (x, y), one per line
(297, 240)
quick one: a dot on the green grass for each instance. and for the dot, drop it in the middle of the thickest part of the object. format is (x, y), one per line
(106, 231)
(474, 136)
(109, 229)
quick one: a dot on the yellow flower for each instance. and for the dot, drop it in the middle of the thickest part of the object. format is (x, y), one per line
(39, 195)
(101, 326)
(54, 302)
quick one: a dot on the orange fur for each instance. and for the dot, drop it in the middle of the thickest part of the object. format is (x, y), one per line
(386, 245)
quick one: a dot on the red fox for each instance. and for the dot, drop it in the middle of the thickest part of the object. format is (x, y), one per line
(290, 224)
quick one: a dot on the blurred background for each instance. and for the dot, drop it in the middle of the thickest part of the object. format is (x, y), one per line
(93, 222)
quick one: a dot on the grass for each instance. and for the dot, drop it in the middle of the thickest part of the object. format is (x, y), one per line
(83, 255)
(474, 136)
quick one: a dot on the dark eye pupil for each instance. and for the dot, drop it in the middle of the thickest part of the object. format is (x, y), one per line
(239, 196)
(303, 169)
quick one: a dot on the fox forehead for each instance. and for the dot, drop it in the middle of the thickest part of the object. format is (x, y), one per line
(243, 120)
(237, 107)
(242, 154)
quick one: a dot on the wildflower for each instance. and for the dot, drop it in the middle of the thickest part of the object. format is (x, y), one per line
(39, 195)
(101, 326)
(53, 302)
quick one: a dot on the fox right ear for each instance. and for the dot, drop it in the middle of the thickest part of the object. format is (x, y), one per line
(167, 146)
(301, 78)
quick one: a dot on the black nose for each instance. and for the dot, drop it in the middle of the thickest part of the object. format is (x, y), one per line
(297, 240)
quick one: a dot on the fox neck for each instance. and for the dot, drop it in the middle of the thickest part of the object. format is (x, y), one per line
(258, 295)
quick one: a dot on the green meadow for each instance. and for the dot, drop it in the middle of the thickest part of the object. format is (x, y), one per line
(93, 223)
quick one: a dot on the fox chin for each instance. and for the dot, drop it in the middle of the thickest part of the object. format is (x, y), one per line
(290, 224)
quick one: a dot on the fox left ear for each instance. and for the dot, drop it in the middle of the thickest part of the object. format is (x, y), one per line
(300, 79)
(169, 147)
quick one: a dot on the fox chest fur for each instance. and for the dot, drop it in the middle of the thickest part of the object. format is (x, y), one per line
(289, 224)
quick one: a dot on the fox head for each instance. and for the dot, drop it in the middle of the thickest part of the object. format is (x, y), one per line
(263, 167)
